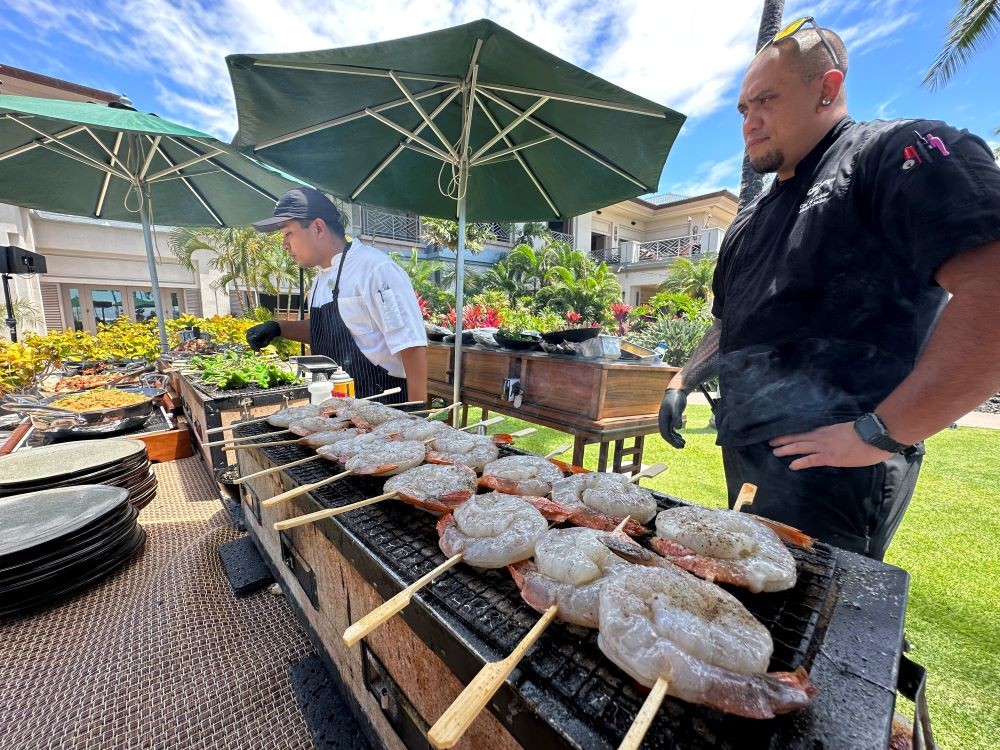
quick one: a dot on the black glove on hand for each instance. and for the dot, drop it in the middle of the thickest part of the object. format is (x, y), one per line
(261, 335)
(672, 416)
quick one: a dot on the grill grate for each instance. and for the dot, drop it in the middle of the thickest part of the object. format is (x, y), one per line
(566, 663)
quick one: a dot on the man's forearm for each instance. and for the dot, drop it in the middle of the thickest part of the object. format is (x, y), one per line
(415, 366)
(960, 367)
(703, 365)
(296, 330)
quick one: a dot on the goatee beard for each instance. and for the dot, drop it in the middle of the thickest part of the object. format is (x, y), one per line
(767, 163)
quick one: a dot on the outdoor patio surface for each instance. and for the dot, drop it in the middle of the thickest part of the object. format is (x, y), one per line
(160, 655)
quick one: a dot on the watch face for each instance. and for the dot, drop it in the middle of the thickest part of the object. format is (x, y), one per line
(868, 429)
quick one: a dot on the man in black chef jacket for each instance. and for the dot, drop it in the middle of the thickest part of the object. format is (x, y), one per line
(362, 310)
(857, 301)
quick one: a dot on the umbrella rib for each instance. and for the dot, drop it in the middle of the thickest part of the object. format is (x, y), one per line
(399, 149)
(183, 165)
(356, 70)
(107, 175)
(49, 140)
(631, 109)
(569, 141)
(423, 114)
(301, 132)
(35, 143)
(112, 156)
(520, 160)
(191, 187)
(411, 136)
(226, 170)
(149, 156)
(501, 134)
(489, 158)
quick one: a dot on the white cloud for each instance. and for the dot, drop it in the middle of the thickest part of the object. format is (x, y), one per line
(712, 176)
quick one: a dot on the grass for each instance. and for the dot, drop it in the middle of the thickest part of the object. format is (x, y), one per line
(949, 542)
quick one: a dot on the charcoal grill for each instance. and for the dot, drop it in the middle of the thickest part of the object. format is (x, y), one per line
(843, 622)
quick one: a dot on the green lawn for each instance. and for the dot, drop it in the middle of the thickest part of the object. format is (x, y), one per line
(949, 542)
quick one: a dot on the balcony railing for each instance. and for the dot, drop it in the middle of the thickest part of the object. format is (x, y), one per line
(390, 226)
(676, 247)
(504, 233)
(563, 237)
(607, 255)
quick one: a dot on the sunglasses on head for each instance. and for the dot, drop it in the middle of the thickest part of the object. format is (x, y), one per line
(795, 26)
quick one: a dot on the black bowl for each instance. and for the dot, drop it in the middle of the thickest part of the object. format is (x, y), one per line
(574, 335)
(521, 345)
(436, 335)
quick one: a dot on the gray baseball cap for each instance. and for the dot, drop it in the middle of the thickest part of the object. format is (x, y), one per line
(301, 203)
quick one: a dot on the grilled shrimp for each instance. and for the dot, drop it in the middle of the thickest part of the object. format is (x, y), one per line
(309, 425)
(410, 428)
(568, 568)
(664, 622)
(329, 437)
(344, 449)
(368, 415)
(521, 475)
(284, 417)
(726, 546)
(438, 489)
(385, 458)
(599, 500)
(491, 530)
(456, 447)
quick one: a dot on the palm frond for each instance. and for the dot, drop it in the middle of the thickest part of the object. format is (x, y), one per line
(974, 25)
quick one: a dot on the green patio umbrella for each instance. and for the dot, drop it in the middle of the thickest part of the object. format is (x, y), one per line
(471, 122)
(111, 162)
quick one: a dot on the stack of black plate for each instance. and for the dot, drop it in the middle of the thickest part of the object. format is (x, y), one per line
(56, 542)
(119, 462)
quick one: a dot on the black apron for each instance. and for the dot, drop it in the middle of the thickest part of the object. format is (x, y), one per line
(330, 337)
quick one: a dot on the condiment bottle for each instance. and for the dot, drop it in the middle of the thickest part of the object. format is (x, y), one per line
(343, 384)
(319, 389)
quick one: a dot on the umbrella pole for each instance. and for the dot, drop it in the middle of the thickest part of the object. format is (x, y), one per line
(459, 301)
(147, 235)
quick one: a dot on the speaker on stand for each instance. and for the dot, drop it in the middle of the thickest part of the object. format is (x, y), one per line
(16, 261)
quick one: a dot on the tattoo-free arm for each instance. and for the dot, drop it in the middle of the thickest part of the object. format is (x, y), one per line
(703, 365)
(296, 330)
(415, 365)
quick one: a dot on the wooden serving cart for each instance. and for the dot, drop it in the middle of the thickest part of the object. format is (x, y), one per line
(595, 400)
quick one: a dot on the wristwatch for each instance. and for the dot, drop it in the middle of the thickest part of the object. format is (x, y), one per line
(870, 429)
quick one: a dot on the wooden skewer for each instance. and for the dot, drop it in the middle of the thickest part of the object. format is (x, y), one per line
(265, 472)
(319, 515)
(391, 607)
(747, 492)
(247, 446)
(449, 729)
(234, 425)
(481, 423)
(644, 718)
(649, 471)
(247, 439)
(303, 489)
(524, 433)
(387, 392)
(561, 449)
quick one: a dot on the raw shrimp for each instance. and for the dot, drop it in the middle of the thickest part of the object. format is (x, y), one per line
(726, 546)
(332, 436)
(438, 489)
(370, 415)
(409, 428)
(344, 449)
(456, 447)
(600, 500)
(568, 568)
(386, 458)
(284, 417)
(309, 425)
(491, 530)
(521, 475)
(664, 622)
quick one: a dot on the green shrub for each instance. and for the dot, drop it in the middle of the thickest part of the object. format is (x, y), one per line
(681, 335)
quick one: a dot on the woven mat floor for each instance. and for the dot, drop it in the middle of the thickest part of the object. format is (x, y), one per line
(161, 654)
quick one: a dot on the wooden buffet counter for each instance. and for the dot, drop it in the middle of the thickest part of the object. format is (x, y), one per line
(595, 400)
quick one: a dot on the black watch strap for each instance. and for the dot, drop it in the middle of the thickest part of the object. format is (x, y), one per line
(871, 430)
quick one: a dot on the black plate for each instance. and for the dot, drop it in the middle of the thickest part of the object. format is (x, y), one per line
(436, 335)
(515, 344)
(20, 471)
(574, 335)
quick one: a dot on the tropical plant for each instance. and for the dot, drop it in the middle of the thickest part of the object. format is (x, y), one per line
(474, 316)
(423, 275)
(502, 278)
(521, 318)
(694, 279)
(972, 27)
(25, 314)
(530, 231)
(444, 233)
(621, 311)
(590, 291)
(681, 336)
(676, 303)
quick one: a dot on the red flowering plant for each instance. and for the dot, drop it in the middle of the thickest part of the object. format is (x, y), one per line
(573, 318)
(425, 308)
(474, 316)
(621, 311)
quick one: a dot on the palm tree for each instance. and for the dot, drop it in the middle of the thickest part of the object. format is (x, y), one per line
(589, 291)
(694, 279)
(444, 233)
(974, 24)
(531, 231)
(502, 276)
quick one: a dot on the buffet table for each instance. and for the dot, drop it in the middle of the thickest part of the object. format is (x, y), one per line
(594, 400)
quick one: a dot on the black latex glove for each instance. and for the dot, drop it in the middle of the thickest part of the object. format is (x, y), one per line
(263, 334)
(672, 416)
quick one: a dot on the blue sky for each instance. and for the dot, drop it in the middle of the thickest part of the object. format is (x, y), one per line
(167, 55)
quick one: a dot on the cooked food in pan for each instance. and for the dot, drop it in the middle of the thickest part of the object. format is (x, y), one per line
(98, 400)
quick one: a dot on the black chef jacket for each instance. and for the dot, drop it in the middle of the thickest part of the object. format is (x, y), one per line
(825, 283)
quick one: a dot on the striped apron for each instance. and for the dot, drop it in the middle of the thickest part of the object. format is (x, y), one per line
(330, 337)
